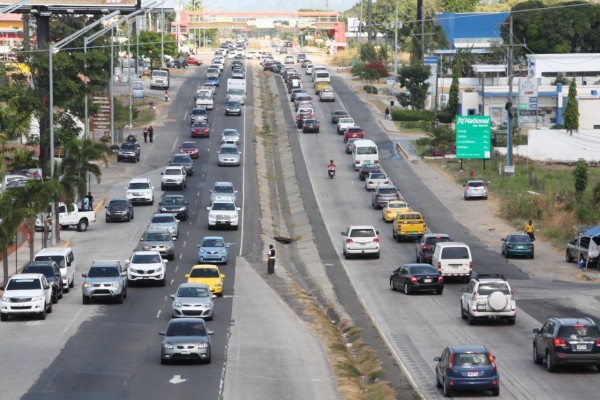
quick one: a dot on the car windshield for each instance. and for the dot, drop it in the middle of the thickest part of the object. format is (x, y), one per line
(470, 359)
(200, 124)
(157, 237)
(455, 253)
(213, 243)
(162, 219)
(199, 111)
(437, 239)
(204, 273)
(223, 189)
(367, 167)
(173, 201)
(188, 291)
(233, 104)
(230, 132)
(578, 331)
(368, 232)
(186, 329)
(487, 288)
(24, 284)
(172, 171)
(228, 150)
(128, 146)
(188, 145)
(145, 259)
(103, 272)
(420, 270)
(117, 203)
(223, 206)
(181, 159)
(56, 259)
(377, 175)
(519, 239)
(139, 185)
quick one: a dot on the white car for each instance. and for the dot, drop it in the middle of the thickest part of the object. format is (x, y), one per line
(223, 189)
(251, 54)
(220, 62)
(140, 190)
(360, 240)
(475, 189)
(146, 266)
(230, 136)
(193, 300)
(26, 294)
(173, 176)
(309, 69)
(223, 212)
(488, 296)
(375, 179)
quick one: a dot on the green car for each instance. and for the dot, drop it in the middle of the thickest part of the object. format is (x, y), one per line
(517, 244)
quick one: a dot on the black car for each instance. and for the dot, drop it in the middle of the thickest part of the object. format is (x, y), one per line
(365, 169)
(237, 63)
(119, 209)
(567, 341)
(337, 114)
(417, 277)
(179, 63)
(175, 204)
(128, 151)
(52, 273)
(426, 246)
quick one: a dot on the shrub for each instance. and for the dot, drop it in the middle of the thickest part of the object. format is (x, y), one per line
(378, 70)
(370, 89)
(356, 68)
(412, 115)
(446, 118)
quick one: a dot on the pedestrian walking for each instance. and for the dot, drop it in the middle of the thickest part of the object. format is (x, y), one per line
(166, 95)
(530, 230)
(145, 135)
(271, 260)
(387, 113)
(151, 133)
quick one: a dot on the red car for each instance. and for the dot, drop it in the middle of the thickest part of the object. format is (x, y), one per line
(190, 148)
(354, 132)
(193, 61)
(200, 129)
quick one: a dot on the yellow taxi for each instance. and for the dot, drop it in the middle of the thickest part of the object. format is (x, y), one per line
(320, 86)
(209, 275)
(394, 207)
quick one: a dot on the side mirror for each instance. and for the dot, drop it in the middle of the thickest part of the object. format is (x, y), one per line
(536, 330)
(172, 296)
(210, 332)
(208, 208)
(127, 262)
(84, 275)
(214, 296)
(160, 204)
(343, 233)
(186, 202)
(161, 333)
(187, 275)
(222, 275)
(235, 192)
(162, 173)
(437, 358)
(377, 232)
(238, 208)
(227, 245)
(503, 239)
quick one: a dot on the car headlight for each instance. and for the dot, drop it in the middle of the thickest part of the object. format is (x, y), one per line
(115, 285)
(182, 209)
(6, 299)
(145, 247)
(87, 285)
(202, 345)
(37, 298)
(172, 229)
(167, 346)
(163, 209)
(177, 303)
(202, 250)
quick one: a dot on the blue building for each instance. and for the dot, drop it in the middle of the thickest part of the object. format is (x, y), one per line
(472, 30)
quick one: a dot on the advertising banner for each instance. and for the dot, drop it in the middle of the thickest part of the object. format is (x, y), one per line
(473, 137)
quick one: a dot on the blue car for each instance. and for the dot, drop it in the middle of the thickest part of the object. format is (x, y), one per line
(212, 81)
(469, 367)
(213, 250)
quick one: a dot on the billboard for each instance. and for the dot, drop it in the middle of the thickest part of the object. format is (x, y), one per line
(473, 137)
(74, 6)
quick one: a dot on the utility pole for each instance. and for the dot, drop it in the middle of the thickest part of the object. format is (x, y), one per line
(396, 45)
(508, 106)
(422, 33)
(369, 21)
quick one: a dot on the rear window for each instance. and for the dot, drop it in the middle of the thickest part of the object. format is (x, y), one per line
(322, 74)
(455, 253)
(387, 191)
(476, 184)
(488, 288)
(362, 233)
(471, 359)
(519, 238)
(578, 331)
(434, 240)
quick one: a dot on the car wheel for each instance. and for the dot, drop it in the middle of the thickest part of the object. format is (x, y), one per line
(398, 238)
(82, 225)
(42, 315)
(377, 255)
(392, 286)
(532, 256)
(447, 390)
(506, 255)
(437, 382)
(67, 289)
(346, 256)
(511, 320)
(54, 298)
(172, 257)
(536, 359)
(417, 258)
(119, 299)
(107, 220)
(496, 392)
(440, 291)
(407, 289)
(463, 314)
(3, 317)
(164, 361)
(61, 294)
(549, 364)
(125, 291)
(470, 319)
(118, 159)
(568, 257)
(49, 311)
(72, 284)
(162, 187)
(85, 299)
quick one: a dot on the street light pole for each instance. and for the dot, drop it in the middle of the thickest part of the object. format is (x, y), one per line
(162, 37)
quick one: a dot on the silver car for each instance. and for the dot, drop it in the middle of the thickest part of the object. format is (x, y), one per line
(186, 339)
(230, 136)
(105, 279)
(229, 154)
(193, 300)
(475, 189)
(384, 193)
(159, 240)
(221, 189)
(165, 221)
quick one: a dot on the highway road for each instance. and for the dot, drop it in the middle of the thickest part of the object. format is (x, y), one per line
(418, 327)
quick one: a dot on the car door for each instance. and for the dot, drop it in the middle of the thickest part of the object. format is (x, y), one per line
(57, 276)
(468, 294)
(402, 276)
(396, 278)
(71, 261)
(543, 338)
(440, 368)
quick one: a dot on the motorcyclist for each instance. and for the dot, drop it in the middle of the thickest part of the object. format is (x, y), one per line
(331, 166)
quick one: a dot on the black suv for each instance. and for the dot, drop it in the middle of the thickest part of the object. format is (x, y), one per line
(567, 341)
(425, 246)
(129, 152)
(52, 273)
(175, 204)
(119, 209)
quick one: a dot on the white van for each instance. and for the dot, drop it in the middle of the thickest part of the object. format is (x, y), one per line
(321, 76)
(318, 67)
(364, 152)
(65, 259)
(453, 259)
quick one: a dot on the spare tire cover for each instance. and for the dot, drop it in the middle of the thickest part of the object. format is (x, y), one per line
(497, 301)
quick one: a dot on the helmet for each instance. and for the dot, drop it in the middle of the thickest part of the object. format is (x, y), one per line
(331, 161)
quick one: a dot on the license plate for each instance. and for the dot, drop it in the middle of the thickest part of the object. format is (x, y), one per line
(427, 280)
(473, 373)
(187, 352)
(481, 307)
(520, 247)
(581, 347)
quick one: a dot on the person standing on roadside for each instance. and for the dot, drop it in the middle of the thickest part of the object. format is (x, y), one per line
(530, 230)
(151, 133)
(271, 260)
(387, 113)
(166, 95)
(90, 199)
(145, 135)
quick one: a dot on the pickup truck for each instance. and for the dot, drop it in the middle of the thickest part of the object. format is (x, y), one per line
(343, 124)
(204, 99)
(159, 79)
(76, 217)
(203, 87)
(408, 224)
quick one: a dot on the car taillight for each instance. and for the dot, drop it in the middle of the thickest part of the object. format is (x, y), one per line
(440, 279)
(471, 265)
(509, 246)
(375, 240)
(492, 360)
(425, 247)
(357, 162)
(370, 182)
(560, 342)
(530, 247)
(349, 240)
(450, 362)
(413, 279)
(597, 344)
(378, 195)
(376, 161)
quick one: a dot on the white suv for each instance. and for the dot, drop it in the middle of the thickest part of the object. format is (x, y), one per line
(223, 212)
(26, 294)
(488, 296)
(146, 266)
(140, 190)
(360, 240)
(173, 176)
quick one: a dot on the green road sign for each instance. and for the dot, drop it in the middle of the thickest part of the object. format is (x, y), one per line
(473, 137)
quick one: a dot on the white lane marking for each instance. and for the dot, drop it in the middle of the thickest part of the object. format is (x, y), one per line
(185, 241)
(176, 268)
(172, 282)
(177, 379)
(175, 144)
(71, 323)
(158, 313)
(185, 116)
(243, 176)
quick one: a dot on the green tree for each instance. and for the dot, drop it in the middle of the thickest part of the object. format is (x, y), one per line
(77, 163)
(150, 43)
(452, 107)
(571, 113)
(368, 53)
(12, 217)
(460, 6)
(580, 177)
(414, 78)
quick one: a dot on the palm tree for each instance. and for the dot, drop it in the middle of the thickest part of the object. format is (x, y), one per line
(77, 165)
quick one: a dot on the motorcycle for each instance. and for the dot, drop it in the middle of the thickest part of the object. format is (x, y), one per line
(331, 172)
